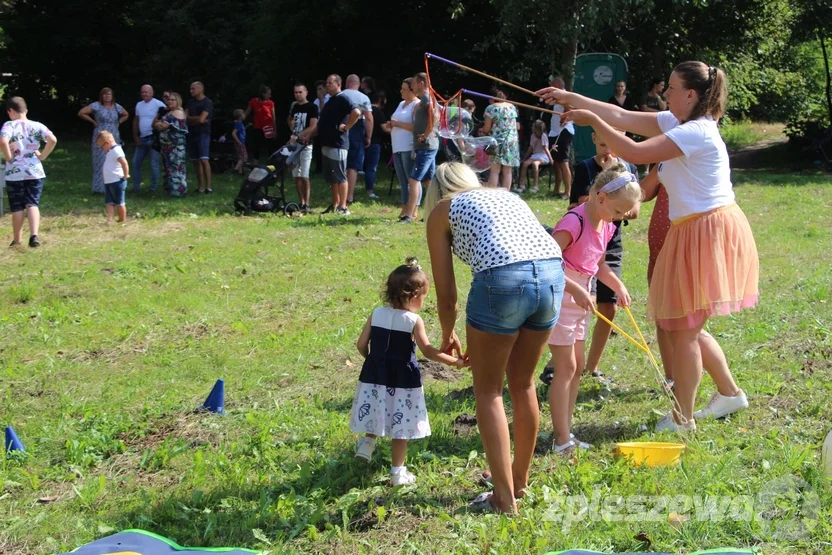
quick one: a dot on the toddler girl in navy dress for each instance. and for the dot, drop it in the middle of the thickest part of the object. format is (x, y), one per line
(389, 400)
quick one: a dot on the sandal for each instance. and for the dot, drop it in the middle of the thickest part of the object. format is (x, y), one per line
(566, 449)
(580, 444)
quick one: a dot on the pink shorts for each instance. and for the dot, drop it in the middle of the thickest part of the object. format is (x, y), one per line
(573, 321)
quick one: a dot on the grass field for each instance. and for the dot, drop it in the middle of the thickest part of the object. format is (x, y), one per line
(111, 336)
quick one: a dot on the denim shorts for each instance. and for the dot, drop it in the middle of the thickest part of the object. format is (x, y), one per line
(114, 192)
(425, 165)
(24, 193)
(199, 146)
(520, 295)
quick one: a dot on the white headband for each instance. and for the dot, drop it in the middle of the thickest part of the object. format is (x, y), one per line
(619, 182)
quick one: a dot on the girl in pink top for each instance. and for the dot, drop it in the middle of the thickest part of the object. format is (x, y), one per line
(583, 234)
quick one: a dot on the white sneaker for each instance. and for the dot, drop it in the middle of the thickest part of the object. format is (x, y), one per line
(721, 405)
(667, 423)
(373, 196)
(366, 446)
(402, 478)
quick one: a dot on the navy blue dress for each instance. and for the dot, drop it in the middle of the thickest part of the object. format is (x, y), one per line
(389, 400)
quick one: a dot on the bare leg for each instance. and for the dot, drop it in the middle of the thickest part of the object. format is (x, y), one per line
(494, 176)
(536, 167)
(567, 178)
(600, 336)
(352, 178)
(342, 194)
(414, 191)
(206, 173)
(111, 212)
(563, 360)
(524, 172)
(713, 360)
(399, 452)
(17, 225)
(558, 178)
(665, 351)
(575, 386)
(336, 198)
(198, 168)
(489, 356)
(506, 177)
(307, 190)
(122, 213)
(522, 363)
(33, 213)
(687, 368)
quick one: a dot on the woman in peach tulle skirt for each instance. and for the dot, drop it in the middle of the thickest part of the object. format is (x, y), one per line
(708, 265)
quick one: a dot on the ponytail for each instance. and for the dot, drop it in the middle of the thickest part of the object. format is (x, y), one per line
(711, 87)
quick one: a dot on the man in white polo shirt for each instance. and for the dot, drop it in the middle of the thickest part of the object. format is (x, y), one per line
(146, 110)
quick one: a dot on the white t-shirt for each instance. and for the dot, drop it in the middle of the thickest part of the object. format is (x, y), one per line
(111, 169)
(556, 127)
(402, 139)
(700, 180)
(25, 138)
(146, 111)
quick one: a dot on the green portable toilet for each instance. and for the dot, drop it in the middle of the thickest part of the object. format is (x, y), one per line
(595, 76)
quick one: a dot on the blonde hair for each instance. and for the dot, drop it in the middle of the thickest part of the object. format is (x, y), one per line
(178, 98)
(104, 137)
(452, 178)
(629, 193)
(239, 114)
(539, 128)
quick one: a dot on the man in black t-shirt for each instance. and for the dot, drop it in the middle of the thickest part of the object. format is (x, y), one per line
(606, 299)
(337, 118)
(200, 111)
(302, 116)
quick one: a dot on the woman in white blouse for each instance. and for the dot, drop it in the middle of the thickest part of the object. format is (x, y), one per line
(400, 128)
(708, 265)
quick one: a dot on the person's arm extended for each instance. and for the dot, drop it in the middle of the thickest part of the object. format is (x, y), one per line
(442, 264)
(51, 141)
(431, 352)
(640, 123)
(85, 113)
(654, 149)
(136, 129)
(650, 184)
(363, 344)
(125, 168)
(368, 127)
(606, 276)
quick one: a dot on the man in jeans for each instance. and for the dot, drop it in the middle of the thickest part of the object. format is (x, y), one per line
(200, 111)
(425, 145)
(146, 111)
(360, 134)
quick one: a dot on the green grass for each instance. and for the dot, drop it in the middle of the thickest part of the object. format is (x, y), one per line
(742, 134)
(110, 336)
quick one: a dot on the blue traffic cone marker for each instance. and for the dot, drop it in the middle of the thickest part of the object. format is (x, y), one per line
(13, 442)
(216, 399)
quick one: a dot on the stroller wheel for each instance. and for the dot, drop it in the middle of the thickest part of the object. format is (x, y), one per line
(291, 208)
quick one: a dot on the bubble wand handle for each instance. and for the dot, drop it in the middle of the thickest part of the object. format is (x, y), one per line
(480, 73)
(490, 97)
(622, 332)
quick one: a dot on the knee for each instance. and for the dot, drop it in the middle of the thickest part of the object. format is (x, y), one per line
(518, 382)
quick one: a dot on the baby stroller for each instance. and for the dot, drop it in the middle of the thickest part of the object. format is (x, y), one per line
(254, 192)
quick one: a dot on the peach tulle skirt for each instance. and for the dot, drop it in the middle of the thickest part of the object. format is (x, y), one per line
(708, 266)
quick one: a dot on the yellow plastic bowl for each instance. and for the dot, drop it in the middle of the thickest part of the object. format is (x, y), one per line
(651, 453)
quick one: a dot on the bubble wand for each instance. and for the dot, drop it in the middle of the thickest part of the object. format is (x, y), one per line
(480, 73)
(490, 97)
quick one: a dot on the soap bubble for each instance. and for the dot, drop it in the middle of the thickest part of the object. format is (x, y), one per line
(454, 122)
(478, 153)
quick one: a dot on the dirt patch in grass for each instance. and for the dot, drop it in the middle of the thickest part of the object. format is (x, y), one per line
(438, 371)
(188, 426)
(465, 424)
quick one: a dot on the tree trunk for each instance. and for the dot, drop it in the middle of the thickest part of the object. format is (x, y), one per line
(570, 51)
(828, 76)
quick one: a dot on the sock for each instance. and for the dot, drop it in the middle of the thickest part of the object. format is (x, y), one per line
(397, 469)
